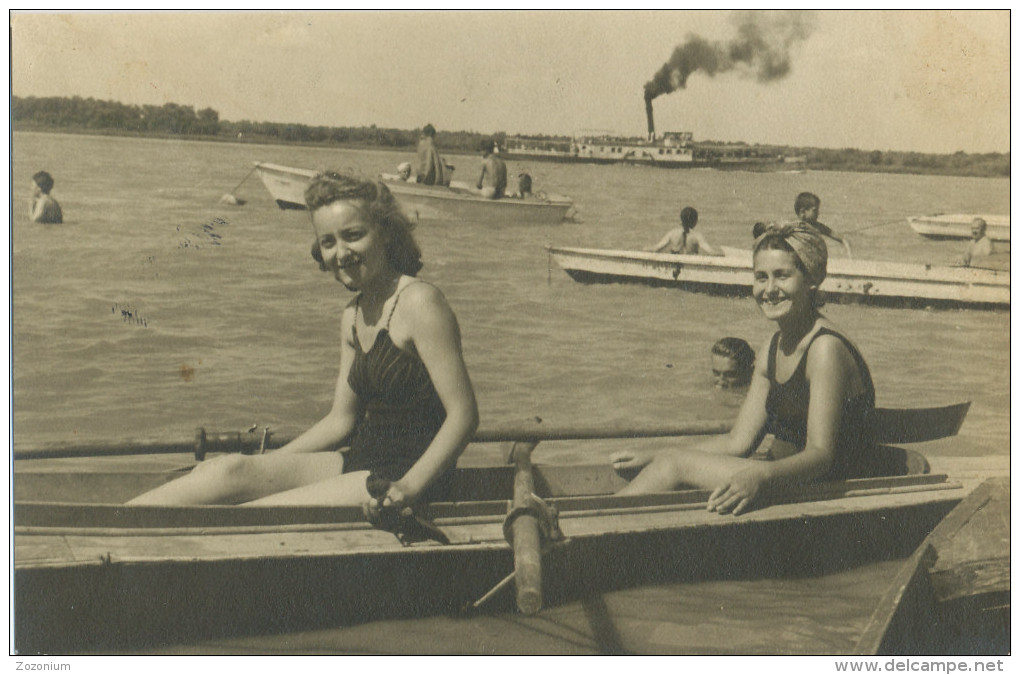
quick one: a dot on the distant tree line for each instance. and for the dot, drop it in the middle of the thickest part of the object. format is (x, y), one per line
(89, 115)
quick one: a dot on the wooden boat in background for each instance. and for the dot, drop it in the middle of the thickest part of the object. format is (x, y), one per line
(867, 281)
(92, 574)
(458, 201)
(957, 225)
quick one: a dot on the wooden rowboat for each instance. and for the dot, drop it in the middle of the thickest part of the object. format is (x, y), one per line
(848, 280)
(91, 573)
(458, 201)
(957, 225)
(952, 596)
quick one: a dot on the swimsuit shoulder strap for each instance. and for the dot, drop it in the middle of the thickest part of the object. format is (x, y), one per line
(354, 326)
(773, 346)
(397, 299)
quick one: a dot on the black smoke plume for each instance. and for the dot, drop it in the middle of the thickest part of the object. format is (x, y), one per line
(762, 48)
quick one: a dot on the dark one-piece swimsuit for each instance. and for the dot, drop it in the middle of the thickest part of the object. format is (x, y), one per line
(786, 409)
(401, 411)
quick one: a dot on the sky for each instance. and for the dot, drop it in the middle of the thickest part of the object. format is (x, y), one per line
(923, 81)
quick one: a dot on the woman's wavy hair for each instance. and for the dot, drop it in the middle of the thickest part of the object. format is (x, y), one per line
(381, 209)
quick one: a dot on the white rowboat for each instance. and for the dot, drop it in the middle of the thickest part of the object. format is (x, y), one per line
(459, 201)
(957, 225)
(873, 282)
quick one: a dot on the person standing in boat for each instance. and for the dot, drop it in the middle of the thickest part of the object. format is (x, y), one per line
(684, 239)
(43, 208)
(813, 392)
(980, 245)
(806, 206)
(403, 409)
(430, 165)
(492, 181)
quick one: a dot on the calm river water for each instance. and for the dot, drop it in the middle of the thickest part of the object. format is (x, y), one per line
(154, 310)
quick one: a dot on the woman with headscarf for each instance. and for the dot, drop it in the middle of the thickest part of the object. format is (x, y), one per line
(812, 391)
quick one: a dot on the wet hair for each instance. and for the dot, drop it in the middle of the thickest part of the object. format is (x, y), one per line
(758, 229)
(806, 200)
(738, 350)
(428, 130)
(488, 146)
(44, 180)
(379, 207)
(524, 183)
(688, 217)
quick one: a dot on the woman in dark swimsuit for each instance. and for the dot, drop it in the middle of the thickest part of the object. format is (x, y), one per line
(813, 392)
(403, 400)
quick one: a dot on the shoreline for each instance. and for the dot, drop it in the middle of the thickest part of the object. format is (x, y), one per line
(827, 167)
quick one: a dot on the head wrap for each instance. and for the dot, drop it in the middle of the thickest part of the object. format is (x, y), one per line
(807, 245)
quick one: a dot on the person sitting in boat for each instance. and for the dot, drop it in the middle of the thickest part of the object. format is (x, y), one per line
(403, 404)
(684, 239)
(404, 171)
(732, 363)
(43, 208)
(523, 186)
(807, 206)
(492, 181)
(980, 245)
(431, 167)
(813, 392)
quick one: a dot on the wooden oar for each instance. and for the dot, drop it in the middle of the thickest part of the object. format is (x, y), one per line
(893, 425)
(230, 198)
(525, 533)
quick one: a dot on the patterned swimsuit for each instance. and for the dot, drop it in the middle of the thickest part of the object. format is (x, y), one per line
(401, 411)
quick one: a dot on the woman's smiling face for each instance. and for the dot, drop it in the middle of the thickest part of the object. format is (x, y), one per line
(352, 247)
(780, 287)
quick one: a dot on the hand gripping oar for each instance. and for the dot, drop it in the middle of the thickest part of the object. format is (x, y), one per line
(404, 523)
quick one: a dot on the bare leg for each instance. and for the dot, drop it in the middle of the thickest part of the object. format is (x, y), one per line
(347, 489)
(233, 479)
(669, 470)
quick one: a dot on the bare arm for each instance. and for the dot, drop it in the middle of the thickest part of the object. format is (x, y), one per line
(704, 247)
(831, 234)
(340, 420)
(485, 170)
(665, 243)
(436, 337)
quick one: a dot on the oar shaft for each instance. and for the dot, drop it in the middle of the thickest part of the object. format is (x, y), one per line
(209, 442)
(253, 169)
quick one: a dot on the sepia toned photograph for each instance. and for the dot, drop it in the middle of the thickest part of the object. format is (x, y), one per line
(511, 333)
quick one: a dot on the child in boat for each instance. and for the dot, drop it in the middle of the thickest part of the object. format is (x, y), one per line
(523, 186)
(43, 208)
(492, 181)
(980, 245)
(807, 206)
(813, 392)
(403, 402)
(684, 239)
